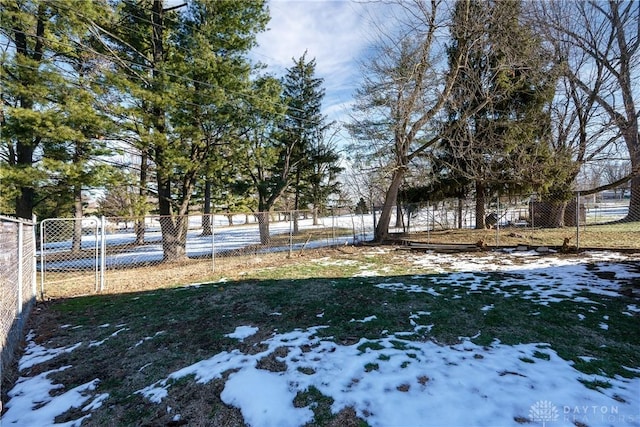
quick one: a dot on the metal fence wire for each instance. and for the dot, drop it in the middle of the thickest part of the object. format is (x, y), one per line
(600, 221)
(121, 254)
(100, 254)
(17, 283)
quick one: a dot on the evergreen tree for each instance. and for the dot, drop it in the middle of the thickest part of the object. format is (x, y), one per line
(498, 129)
(302, 126)
(51, 125)
(269, 158)
(361, 207)
(322, 173)
(184, 73)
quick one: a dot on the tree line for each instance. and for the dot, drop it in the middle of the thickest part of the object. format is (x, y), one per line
(490, 98)
(159, 107)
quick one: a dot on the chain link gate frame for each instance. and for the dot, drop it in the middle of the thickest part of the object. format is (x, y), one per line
(67, 247)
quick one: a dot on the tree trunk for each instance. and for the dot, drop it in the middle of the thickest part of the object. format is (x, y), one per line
(26, 196)
(206, 217)
(548, 214)
(24, 202)
(76, 241)
(139, 230)
(556, 214)
(174, 237)
(142, 192)
(480, 206)
(263, 226)
(399, 216)
(382, 228)
(634, 201)
(460, 204)
(173, 227)
(296, 203)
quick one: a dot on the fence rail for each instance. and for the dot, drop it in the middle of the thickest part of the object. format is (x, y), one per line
(120, 254)
(17, 283)
(97, 254)
(594, 221)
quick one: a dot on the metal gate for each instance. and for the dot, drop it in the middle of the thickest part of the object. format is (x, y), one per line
(70, 252)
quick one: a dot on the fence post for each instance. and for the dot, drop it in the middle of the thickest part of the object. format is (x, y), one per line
(375, 218)
(34, 260)
(428, 228)
(42, 259)
(532, 207)
(333, 226)
(291, 213)
(103, 248)
(498, 221)
(577, 221)
(20, 263)
(213, 242)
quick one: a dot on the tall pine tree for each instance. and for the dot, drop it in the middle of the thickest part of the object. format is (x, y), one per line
(304, 129)
(51, 126)
(182, 71)
(498, 128)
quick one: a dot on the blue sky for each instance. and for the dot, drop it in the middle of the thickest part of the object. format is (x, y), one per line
(334, 32)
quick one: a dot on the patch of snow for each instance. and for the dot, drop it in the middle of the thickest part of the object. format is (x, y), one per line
(414, 383)
(270, 406)
(407, 288)
(242, 332)
(99, 343)
(366, 319)
(143, 340)
(32, 405)
(35, 354)
(96, 403)
(365, 272)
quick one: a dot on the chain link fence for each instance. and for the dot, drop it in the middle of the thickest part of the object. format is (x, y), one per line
(17, 283)
(600, 221)
(120, 254)
(127, 254)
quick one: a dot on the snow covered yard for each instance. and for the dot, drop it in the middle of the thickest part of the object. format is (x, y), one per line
(373, 337)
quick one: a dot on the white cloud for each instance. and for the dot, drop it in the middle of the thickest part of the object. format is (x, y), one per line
(332, 32)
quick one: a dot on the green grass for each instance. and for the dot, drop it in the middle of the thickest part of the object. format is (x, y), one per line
(164, 330)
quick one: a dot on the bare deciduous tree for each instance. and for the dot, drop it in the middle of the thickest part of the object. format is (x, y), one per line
(600, 41)
(405, 87)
